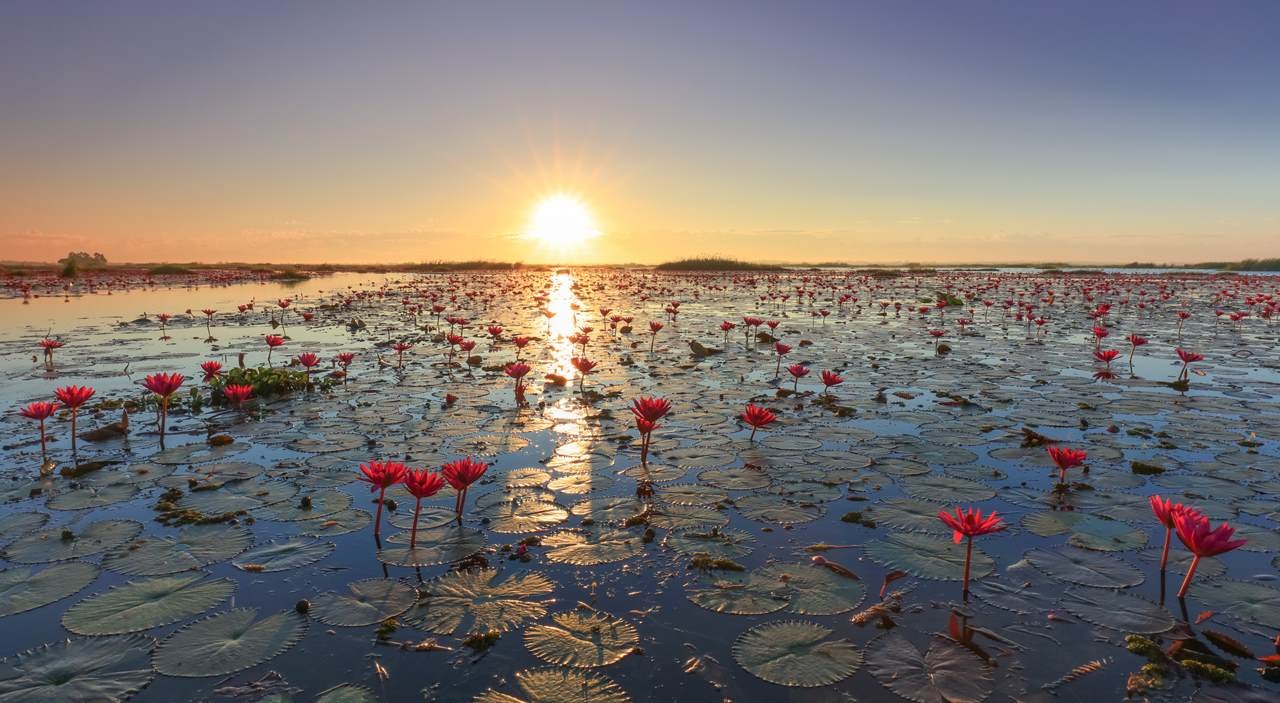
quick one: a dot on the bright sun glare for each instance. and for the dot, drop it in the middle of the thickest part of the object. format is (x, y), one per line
(562, 221)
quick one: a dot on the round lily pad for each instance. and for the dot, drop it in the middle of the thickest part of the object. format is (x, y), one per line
(552, 685)
(582, 638)
(946, 672)
(438, 545)
(60, 544)
(228, 642)
(141, 605)
(585, 547)
(928, 557)
(193, 547)
(796, 653)
(364, 602)
(76, 670)
(474, 600)
(1084, 568)
(282, 555)
(21, 590)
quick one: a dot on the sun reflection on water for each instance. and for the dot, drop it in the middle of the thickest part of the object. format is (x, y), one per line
(562, 301)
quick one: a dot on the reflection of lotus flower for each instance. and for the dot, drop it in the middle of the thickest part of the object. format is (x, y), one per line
(970, 524)
(381, 475)
(1195, 534)
(461, 474)
(40, 411)
(421, 484)
(758, 417)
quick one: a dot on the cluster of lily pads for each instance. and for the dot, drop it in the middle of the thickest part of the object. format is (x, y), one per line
(639, 538)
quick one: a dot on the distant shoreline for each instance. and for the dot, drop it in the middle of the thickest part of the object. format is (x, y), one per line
(701, 264)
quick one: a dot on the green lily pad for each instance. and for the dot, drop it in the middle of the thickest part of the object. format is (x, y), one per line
(72, 671)
(57, 545)
(585, 547)
(471, 599)
(193, 547)
(583, 639)
(21, 590)
(559, 686)
(228, 642)
(948, 672)
(282, 555)
(796, 653)
(1084, 568)
(142, 605)
(365, 603)
(927, 557)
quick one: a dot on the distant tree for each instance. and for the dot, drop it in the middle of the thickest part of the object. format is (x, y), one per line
(75, 260)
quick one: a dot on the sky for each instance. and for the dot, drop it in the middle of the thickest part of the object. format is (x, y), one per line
(873, 132)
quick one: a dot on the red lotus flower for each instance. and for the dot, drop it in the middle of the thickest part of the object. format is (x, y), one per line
(518, 371)
(344, 359)
(421, 484)
(647, 411)
(381, 475)
(211, 369)
(781, 350)
(72, 397)
(461, 474)
(1165, 511)
(1196, 535)
(1187, 357)
(1106, 355)
(163, 385)
(400, 348)
(831, 378)
(1137, 341)
(40, 411)
(797, 371)
(970, 524)
(495, 331)
(1065, 458)
(273, 341)
(651, 408)
(757, 417)
(48, 345)
(309, 360)
(237, 394)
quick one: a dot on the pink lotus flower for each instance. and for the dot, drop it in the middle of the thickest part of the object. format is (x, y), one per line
(72, 397)
(1065, 458)
(163, 386)
(381, 475)
(40, 411)
(421, 484)
(1194, 532)
(461, 474)
(647, 411)
(237, 394)
(212, 370)
(758, 418)
(831, 378)
(970, 524)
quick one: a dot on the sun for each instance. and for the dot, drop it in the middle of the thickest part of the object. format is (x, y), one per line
(561, 221)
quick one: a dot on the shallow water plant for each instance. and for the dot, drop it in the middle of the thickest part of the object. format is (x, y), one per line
(967, 524)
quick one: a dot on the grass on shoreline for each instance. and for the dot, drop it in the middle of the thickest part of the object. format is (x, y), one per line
(714, 263)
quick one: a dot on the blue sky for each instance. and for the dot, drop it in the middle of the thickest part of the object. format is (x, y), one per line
(886, 131)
